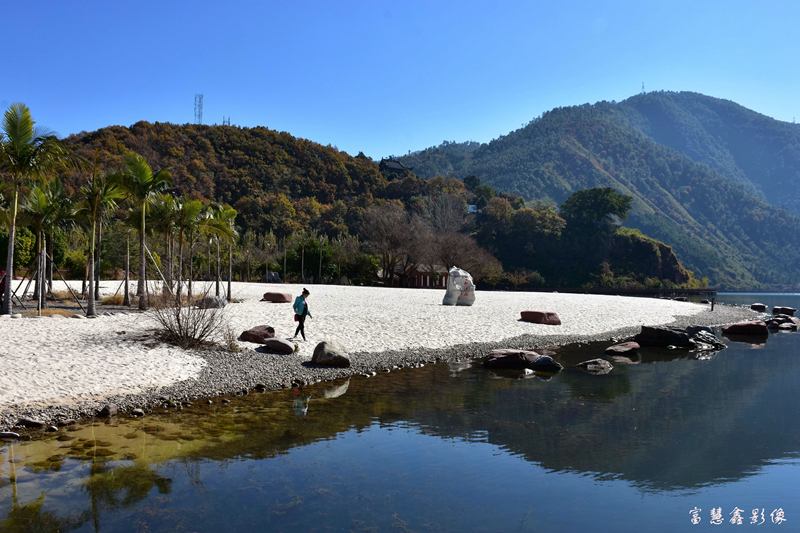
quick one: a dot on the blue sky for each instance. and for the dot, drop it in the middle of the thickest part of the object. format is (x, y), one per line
(385, 77)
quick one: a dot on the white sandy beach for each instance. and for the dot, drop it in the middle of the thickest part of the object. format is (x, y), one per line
(50, 361)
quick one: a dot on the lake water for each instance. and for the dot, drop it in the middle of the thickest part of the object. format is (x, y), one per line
(446, 448)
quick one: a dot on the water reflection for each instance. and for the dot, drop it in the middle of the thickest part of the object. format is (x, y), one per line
(664, 422)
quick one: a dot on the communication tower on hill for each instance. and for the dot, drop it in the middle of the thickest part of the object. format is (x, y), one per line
(642, 88)
(226, 121)
(198, 109)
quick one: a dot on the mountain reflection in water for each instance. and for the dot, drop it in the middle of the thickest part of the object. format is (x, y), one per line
(428, 446)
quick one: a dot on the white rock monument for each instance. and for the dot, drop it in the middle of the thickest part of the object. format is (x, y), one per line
(460, 288)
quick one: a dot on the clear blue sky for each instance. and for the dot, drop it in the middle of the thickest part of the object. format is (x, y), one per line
(385, 77)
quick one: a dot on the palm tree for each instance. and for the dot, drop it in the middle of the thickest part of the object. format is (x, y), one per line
(99, 197)
(26, 151)
(164, 213)
(222, 219)
(142, 184)
(188, 220)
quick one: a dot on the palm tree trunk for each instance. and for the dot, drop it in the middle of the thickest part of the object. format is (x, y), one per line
(179, 288)
(142, 269)
(218, 273)
(230, 269)
(126, 300)
(8, 308)
(52, 256)
(191, 266)
(97, 255)
(91, 306)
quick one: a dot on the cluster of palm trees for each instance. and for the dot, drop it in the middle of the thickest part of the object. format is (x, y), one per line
(29, 155)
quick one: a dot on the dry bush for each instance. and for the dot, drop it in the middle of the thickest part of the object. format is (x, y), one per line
(50, 312)
(63, 295)
(113, 299)
(187, 326)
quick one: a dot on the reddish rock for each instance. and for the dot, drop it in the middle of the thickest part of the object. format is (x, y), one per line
(277, 297)
(258, 334)
(541, 317)
(778, 310)
(623, 348)
(753, 327)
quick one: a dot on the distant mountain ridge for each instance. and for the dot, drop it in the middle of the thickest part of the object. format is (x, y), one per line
(714, 210)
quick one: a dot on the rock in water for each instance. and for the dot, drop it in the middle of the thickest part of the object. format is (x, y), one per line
(779, 310)
(758, 307)
(595, 366)
(330, 353)
(258, 334)
(460, 288)
(662, 337)
(521, 359)
(752, 327)
(623, 348)
(541, 317)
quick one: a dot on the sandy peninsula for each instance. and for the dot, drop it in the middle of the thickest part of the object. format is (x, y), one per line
(61, 363)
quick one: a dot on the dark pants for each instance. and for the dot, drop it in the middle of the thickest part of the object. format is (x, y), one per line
(301, 323)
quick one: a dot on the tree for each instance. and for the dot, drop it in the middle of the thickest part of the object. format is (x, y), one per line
(26, 151)
(189, 220)
(386, 226)
(142, 184)
(99, 197)
(471, 181)
(600, 205)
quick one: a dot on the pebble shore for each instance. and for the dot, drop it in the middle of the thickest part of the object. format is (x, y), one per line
(223, 373)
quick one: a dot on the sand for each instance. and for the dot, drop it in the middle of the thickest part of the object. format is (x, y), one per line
(52, 361)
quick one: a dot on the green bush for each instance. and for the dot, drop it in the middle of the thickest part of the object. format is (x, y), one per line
(75, 262)
(24, 247)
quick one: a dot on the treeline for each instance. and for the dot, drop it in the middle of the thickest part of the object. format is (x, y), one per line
(718, 226)
(212, 202)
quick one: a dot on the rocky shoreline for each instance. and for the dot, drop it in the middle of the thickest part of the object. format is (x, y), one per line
(230, 374)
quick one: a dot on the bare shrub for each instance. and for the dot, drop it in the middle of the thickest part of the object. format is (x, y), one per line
(187, 325)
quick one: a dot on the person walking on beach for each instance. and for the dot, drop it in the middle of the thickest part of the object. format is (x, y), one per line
(300, 313)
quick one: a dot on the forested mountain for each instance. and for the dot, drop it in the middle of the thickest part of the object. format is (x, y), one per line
(758, 151)
(718, 224)
(349, 215)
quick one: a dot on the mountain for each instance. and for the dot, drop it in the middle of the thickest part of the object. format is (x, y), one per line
(714, 214)
(761, 153)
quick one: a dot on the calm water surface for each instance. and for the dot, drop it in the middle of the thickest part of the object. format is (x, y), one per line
(445, 448)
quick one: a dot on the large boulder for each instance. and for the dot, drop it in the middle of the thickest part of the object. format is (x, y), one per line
(541, 317)
(212, 302)
(460, 288)
(758, 307)
(521, 359)
(258, 334)
(780, 310)
(279, 345)
(662, 337)
(752, 327)
(623, 348)
(595, 366)
(330, 353)
(277, 297)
